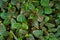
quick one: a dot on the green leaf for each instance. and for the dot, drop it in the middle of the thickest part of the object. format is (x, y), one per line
(1, 37)
(13, 35)
(46, 19)
(9, 6)
(47, 10)
(38, 33)
(58, 27)
(35, 23)
(21, 33)
(15, 26)
(13, 2)
(21, 18)
(49, 25)
(30, 37)
(52, 30)
(39, 11)
(44, 3)
(3, 30)
(13, 21)
(41, 38)
(6, 21)
(31, 16)
(51, 4)
(57, 34)
(57, 5)
(3, 15)
(1, 3)
(24, 26)
(52, 37)
(31, 6)
(20, 39)
(58, 15)
(5, 0)
(57, 21)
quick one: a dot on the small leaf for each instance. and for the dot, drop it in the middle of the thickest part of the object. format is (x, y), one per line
(6, 21)
(47, 10)
(1, 37)
(44, 3)
(9, 6)
(3, 15)
(52, 30)
(38, 33)
(13, 2)
(39, 11)
(24, 26)
(51, 3)
(5, 0)
(49, 25)
(46, 19)
(35, 24)
(15, 25)
(31, 6)
(30, 37)
(21, 33)
(57, 5)
(13, 21)
(21, 18)
(3, 30)
(57, 21)
(1, 3)
(31, 16)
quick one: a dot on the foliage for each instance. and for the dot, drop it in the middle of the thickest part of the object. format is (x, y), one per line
(29, 19)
